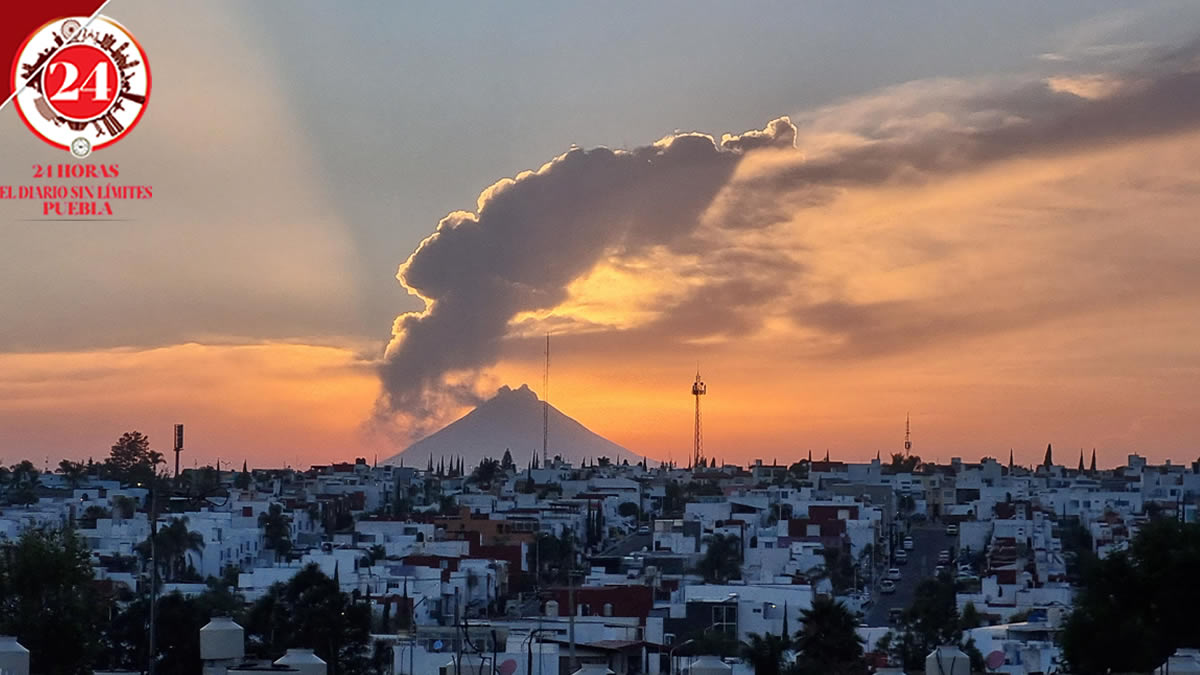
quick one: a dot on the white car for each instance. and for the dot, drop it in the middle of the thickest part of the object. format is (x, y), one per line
(902, 556)
(893, 574)
(887, 586)
(909, 544)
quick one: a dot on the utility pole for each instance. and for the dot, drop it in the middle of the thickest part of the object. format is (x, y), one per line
(153, 572)
(571, 619)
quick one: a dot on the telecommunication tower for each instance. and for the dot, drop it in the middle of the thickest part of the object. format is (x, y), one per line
(698, 390)
(178, 447)
(907, 435)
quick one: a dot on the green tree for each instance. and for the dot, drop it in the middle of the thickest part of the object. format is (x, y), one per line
(486, 472)
(552, 557)
(628, 510)
(506, 462)
(764, 653)
(839, 569)
(177, 631)
(72, 472)
(799, 470)
(48, 600)
(124, 507)
(310, 611)
(243, 480)
(930, 621)
(902, 463)
(171, 547)
(91, 515)
(828, 642)
(722, 561)
(277, 530)
(23, 482)
(673, 499)
(1136, 607)
(131, 460)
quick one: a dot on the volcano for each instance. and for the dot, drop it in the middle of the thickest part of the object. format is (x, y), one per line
(512, 420)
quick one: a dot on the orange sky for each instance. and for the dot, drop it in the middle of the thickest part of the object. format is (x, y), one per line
(1010, 260)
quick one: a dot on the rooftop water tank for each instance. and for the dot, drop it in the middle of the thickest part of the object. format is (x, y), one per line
(709, 665)
(303, 660)
(222, 639)
(947, 660)
(14, 659)
(551, 608)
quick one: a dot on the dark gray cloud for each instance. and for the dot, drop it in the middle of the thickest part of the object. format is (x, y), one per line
(531, 238)
(535, 235)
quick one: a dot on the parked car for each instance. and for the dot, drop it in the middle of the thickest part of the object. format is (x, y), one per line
(909, 544)
(895, 614)
(937, 571)
(902, 556)
(887, 586)
(645, 529)
(943, 557)
(893, 574)
(952, 530)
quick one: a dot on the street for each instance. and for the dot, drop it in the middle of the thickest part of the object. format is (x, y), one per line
(928, 540)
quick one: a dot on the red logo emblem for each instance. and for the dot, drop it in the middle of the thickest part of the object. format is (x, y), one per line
(81, 86)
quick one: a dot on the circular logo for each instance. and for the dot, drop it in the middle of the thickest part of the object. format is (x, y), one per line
(81, 86)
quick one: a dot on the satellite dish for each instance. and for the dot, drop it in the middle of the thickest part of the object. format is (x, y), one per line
(995, 659)
(438, 644)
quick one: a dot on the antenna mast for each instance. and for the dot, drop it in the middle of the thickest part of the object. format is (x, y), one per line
(907, 436)
(698, 390)
(546, 406)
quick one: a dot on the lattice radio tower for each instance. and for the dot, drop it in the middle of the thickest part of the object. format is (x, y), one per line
(698, 390)
(907, 434)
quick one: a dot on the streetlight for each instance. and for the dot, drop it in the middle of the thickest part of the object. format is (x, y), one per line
(671, 655)
(529, 650)
(412, 634)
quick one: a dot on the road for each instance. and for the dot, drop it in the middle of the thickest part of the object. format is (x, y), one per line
(928, 540)
(631, 543)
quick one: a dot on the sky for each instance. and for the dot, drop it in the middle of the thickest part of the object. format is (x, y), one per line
(366, 218)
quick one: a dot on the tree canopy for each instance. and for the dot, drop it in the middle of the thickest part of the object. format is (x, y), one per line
(311, 611)
(131, 460)
(827, 642)
(1136, 607)
(48, 600)
(722, 561)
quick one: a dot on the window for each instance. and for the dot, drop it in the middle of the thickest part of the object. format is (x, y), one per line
(725, 618)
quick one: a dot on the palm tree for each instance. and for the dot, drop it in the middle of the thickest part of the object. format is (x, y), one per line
(828, 642)
(277, 529)
(723, 559)
(171, 546)
(765, 652)
(72, 472)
